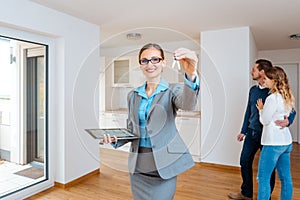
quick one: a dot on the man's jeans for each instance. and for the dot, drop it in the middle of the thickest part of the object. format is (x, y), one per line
(250, 147)
(275, 157)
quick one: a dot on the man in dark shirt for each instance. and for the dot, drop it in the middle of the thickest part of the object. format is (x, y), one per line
(252, 131)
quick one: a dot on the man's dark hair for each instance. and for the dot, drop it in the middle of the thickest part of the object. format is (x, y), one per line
(263, 64)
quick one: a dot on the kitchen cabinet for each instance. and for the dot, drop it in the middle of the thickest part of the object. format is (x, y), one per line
(189, 130)
(113, 120)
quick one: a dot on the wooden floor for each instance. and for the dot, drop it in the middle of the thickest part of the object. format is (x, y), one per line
(202, 182)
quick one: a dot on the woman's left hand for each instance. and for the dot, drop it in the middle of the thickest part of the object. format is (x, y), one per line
(188, 61)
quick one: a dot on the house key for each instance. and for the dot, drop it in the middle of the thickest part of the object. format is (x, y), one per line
(176, 62)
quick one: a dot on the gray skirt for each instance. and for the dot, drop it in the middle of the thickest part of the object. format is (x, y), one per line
(146, 184)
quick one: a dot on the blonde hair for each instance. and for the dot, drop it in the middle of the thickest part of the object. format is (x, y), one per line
(281, 85)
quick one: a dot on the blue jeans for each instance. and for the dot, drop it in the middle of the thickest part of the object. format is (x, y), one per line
(272, 157)
(250, 147)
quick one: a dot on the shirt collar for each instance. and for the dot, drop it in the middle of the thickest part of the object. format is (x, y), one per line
(261, 86)
(162, 86)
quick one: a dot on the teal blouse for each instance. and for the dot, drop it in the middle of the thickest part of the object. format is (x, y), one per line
(146, 102)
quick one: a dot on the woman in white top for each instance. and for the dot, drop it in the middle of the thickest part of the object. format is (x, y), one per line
(276, 141)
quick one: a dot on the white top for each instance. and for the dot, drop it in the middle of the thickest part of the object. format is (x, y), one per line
(274, 109)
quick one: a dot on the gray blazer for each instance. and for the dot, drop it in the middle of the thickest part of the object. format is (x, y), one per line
(170, 153)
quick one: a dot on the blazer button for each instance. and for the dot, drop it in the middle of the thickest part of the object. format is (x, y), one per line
(150, 131)
(153, 146)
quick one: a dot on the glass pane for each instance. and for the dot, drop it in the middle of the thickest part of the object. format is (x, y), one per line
(41, 108)
(121, 71)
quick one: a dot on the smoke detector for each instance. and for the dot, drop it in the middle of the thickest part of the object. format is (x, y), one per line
(295, 36)
(134, 36)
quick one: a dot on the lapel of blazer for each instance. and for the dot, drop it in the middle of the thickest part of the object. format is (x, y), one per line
(155, 101)
(136, 106)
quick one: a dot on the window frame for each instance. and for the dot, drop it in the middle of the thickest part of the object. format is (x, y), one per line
(128, 84)
(50, 44)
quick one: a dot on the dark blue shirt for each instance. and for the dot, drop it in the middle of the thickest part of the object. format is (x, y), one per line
(251, 118)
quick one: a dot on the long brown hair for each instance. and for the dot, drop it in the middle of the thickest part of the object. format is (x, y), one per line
(281, 85)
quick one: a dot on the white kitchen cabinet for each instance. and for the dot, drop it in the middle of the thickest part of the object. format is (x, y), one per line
(112, 120)
(189, 129)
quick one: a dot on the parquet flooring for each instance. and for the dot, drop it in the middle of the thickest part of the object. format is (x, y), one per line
(202, 182)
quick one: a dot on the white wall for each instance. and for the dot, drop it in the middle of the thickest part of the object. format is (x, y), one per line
(225, 59)
(281, 56)
(253, 57)
(74, 71)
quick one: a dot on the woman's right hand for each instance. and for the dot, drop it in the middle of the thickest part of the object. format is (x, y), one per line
(259, 104)
(107, 139)
(188, 61)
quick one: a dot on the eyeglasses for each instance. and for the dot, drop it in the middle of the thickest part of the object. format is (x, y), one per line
(145, 61)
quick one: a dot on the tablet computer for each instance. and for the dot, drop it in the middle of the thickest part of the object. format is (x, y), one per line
(121, 133)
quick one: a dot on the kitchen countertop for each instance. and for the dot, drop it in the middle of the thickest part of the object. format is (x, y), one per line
(180, 113)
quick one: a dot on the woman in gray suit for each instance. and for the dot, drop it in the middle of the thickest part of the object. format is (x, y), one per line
(159, 155)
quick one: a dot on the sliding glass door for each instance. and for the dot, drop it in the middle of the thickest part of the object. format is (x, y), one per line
(23, 115)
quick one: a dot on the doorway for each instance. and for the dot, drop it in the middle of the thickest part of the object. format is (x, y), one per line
(23, 115)
(35, 81)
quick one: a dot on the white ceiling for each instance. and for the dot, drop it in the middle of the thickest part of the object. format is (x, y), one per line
(271, 21)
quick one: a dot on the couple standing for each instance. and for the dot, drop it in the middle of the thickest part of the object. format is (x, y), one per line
(269, 112)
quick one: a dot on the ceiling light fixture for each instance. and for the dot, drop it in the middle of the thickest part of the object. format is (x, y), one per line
(134, 36)
(295, 36)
